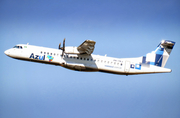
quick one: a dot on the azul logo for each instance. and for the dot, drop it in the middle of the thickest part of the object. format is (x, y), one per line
(136, 66)
(38, 57)
(50, 58)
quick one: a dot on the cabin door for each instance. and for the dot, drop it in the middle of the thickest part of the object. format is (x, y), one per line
(127, 66)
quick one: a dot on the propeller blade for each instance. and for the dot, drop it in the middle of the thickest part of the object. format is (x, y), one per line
(59, 45)
(64, 44)
(63, 48)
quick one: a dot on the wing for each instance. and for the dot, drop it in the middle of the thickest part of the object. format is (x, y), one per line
(87, 47)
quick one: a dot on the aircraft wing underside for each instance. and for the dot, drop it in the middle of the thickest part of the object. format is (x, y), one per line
(87, 47)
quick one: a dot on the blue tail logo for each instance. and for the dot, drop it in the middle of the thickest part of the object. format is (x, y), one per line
(161, 54)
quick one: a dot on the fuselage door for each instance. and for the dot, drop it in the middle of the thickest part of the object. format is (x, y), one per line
(127, 66)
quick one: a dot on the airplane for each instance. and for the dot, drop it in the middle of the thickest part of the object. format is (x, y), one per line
(81, 58)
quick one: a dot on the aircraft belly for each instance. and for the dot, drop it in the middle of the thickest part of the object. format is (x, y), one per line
(80, 67)
(149, 70)
(144, 70)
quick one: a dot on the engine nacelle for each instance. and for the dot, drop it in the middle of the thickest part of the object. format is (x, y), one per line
(71, 50)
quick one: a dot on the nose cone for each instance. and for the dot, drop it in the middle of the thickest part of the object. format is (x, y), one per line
(6, 52)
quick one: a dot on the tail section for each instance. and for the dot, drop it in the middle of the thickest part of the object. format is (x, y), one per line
(161, 54)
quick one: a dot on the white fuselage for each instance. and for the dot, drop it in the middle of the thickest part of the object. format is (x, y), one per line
(83, 62)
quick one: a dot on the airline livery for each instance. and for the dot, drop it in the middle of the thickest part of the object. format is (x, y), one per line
(81, 58)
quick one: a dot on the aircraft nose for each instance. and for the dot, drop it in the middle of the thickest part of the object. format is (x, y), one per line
(7, 52)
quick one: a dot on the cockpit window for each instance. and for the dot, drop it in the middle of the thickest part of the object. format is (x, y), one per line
(19, 47)
(16, 47)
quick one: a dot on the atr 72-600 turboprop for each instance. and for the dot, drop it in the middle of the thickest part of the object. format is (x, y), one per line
(81, 58)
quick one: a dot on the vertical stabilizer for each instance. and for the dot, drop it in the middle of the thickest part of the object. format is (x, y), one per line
(161, 54)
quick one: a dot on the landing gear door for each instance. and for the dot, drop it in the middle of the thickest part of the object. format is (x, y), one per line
(62, 61)
(127, 66)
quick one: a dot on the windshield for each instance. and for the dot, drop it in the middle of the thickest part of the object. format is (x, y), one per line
(19, 47)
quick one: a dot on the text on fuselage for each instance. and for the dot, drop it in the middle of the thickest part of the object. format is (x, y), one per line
(38, 57)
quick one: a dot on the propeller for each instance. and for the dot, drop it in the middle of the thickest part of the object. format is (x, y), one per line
(62, 48)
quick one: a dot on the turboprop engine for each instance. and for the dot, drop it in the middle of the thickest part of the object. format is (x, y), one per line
(69, 49)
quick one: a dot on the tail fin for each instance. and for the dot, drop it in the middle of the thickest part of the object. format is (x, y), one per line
(161, 54)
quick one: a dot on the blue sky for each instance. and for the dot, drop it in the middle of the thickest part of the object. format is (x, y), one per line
(121, 28)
